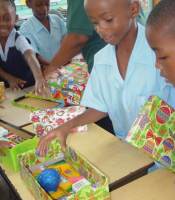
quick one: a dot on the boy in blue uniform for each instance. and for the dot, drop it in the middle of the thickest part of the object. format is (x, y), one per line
(18, 63)
(123, 76)
(160, 33)
(45, 31)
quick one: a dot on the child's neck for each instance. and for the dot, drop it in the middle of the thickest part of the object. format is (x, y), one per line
(45, 23)
(124, 49)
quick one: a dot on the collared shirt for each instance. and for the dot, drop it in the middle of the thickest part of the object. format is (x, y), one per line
(12, 60)
(44, 42)
(78, 22)
(107, 92)
(19, 43)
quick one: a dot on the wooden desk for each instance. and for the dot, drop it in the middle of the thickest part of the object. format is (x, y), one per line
(20, 186)
(19, 116)
(11, 114)
(118, 160)
(158, 185)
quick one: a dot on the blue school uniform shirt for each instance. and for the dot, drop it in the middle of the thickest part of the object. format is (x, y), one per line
(107, 92)
(44, 42)
(12, 59)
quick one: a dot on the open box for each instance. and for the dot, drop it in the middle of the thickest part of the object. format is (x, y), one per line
(9, 156)
(35, 103)
(29, 160)
(154, 131)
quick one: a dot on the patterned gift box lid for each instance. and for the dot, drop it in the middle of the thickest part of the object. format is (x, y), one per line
(154, 131)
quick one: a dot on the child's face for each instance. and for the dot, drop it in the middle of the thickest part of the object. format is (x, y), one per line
(112, 18)
(40, 8)
(7, 19)
(163, 45)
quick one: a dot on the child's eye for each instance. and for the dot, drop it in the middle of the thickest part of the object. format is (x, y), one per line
(163, 57)
(109, 20)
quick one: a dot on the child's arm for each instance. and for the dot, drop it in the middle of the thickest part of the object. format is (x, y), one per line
(41, 86)
(61, 133)
(71, 45)
(14, 82)
(43, 62)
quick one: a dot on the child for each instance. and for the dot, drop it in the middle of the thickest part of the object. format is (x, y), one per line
(160, 33)
(45, 31)
(123, 76)
(16, 55)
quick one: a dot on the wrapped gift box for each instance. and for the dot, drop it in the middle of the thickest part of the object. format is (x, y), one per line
(154, 131)
(21, 141)
(67, 85)
(97, 189)
(49, 119)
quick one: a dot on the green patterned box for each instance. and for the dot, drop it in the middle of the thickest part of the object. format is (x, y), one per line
(78, 162)
(10, 158)
(154, 131)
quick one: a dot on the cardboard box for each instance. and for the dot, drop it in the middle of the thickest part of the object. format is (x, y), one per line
(154, 131)
(48, 119)
(79, 163)
(9, 156)
(67, 85)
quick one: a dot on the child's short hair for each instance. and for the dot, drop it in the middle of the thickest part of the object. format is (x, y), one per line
(10, 2)
(163, 14)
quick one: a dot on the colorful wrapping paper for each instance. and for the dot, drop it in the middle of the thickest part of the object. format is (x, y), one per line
(67, 84)
(154, 131)
(49, 119)
(79, 163)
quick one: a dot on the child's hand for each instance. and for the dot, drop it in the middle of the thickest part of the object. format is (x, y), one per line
(5, 144)
(46, 140)
(41, 88)
(16, 83)
(48, 71)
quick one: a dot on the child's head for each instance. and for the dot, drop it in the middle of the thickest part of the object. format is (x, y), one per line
(112, 18)
(7, 17)
(160, 32)
(40, 8)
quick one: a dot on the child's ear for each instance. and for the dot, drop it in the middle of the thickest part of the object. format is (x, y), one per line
(134, 8)
(28, 3)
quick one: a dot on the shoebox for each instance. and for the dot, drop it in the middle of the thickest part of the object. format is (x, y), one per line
(20, 141)
(77, 178)
(154, 131)
(48, 119)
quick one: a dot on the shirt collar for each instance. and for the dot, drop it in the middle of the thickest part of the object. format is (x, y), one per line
(107, 55)
(38, 26)
(10, 43)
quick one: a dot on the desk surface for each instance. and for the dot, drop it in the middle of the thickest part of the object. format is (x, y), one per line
(12, 114)
(18, 183)
(158, 185)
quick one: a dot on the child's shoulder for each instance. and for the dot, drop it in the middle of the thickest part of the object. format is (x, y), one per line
(105, 55)
(27, 24)
(55, 18)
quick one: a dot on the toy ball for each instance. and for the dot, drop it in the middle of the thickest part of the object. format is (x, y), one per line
(49, 179)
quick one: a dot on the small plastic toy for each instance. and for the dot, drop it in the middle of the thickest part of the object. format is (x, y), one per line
(49, 179)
